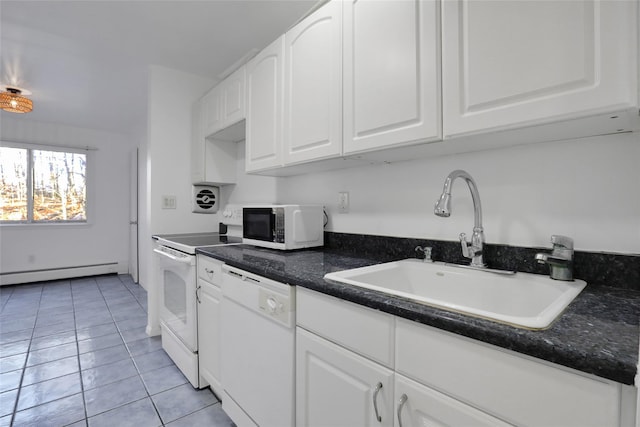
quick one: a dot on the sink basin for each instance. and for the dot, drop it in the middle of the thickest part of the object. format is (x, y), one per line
(525, 300)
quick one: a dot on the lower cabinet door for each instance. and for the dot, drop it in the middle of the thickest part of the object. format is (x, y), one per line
(336, 387)
(209, 335)
(418, 405)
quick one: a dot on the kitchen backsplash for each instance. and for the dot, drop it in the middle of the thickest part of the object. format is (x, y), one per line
(596, 268)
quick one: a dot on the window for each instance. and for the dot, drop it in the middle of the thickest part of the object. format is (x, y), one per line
(42, 186)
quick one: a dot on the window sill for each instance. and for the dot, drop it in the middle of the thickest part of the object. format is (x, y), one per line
(75, 224)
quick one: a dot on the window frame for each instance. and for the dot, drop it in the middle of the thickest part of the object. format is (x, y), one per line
(30, 190)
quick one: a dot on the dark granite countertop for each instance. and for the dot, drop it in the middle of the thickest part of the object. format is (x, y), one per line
(598, 333)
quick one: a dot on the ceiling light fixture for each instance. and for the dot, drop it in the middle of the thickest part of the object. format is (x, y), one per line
(12, 100)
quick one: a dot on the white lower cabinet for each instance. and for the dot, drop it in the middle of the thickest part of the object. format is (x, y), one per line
(337, 387)
(209, 299)
(435, 378)
(519, 389)
(419, 406)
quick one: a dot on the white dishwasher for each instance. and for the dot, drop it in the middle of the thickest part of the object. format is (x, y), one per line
(258, 350)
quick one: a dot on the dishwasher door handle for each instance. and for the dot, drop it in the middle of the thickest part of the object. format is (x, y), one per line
(250, 279)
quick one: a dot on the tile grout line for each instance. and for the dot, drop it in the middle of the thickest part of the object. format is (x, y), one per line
(26, 359)
(118, 329)
(75, 331)
(126, 347)
(7, 299)
(146, 389)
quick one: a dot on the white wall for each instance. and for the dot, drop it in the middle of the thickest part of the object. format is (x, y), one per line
(105, 238)
(585, 188)
(171, 95)
(250, 188)
(166, 169)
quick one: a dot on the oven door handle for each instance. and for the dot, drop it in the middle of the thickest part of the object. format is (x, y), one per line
(183, 260)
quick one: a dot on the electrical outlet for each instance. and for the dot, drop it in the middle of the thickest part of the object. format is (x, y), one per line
(343, 202)
(168, 202)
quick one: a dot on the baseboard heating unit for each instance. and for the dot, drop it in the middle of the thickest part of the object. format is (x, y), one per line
(14, 278)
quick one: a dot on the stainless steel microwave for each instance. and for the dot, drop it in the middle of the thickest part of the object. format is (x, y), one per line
(283, 227)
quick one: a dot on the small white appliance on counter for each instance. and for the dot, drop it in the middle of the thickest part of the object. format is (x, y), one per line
(283, 227)
(177, 295)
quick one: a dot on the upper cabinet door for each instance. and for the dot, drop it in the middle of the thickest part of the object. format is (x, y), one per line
(212, 105)
(264, 108)
(508, 63)
(313, 86)
(198, 141)
(233, 97)
(391, 73)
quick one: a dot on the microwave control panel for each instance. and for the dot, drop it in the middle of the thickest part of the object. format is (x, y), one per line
(232, 215)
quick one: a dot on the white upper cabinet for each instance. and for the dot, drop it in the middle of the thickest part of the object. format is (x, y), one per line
(264, 108)
(197, 141)
(391, 73)
(233, 99)
(515, 63)
(224, 104)
(212, 161)
(212, 111)
(313, 87)
(377, 79)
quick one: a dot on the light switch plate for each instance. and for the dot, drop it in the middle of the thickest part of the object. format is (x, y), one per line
(168, 202)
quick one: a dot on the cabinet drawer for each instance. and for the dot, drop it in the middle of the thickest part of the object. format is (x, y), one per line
(514, 388)
(360, 329)
(210, 269)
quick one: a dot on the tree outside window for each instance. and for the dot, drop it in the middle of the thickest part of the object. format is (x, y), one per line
(42, 185)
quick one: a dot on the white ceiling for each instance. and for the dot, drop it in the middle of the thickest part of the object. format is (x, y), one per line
(86, 61)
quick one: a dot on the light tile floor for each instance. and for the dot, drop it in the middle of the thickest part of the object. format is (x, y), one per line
(75, 352)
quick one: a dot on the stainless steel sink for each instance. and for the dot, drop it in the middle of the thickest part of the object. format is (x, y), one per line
(525, 300)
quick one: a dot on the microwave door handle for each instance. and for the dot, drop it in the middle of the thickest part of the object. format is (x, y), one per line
(273, 226)
(184, 260)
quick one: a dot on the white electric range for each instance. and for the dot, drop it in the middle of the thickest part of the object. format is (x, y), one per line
(176, 255)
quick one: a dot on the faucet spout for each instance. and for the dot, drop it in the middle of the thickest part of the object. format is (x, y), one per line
(543, 258)
(443, 209)
(443, 206)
